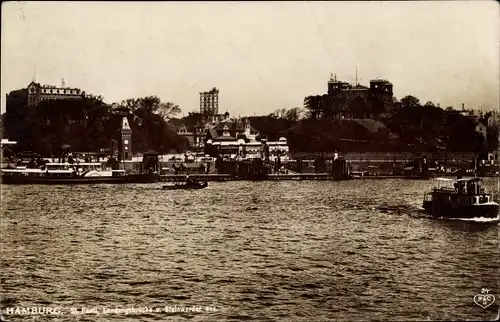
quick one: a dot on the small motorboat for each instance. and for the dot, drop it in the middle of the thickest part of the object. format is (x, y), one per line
(187, 185)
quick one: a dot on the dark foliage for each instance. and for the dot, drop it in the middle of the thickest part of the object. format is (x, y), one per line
(90, 125)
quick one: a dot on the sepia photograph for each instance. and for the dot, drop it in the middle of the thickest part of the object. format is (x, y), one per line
(250, 161)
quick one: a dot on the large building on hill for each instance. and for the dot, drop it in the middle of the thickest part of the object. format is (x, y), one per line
(35, 93)
(344, 100)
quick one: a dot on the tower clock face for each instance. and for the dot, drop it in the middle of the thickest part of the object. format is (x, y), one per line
(126, 141)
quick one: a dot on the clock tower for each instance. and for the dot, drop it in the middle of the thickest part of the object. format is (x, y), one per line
(126, 133)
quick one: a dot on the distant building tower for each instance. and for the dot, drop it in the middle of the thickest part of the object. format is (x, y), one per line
(126, 132)
(380, 95)
(209, 102)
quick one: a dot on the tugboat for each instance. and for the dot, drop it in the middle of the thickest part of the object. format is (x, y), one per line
(461, 198)
(189, 184)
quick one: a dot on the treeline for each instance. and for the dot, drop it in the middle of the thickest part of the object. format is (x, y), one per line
(438, 128)
(408, 126)
(90, 125)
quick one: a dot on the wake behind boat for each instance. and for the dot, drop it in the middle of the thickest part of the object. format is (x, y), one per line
(461, 198)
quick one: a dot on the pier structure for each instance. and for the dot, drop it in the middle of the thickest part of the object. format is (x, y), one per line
(228, 177)
(258, 169)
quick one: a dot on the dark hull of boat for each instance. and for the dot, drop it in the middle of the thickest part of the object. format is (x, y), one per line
(448, 210)
(132, 178)
(185, 186)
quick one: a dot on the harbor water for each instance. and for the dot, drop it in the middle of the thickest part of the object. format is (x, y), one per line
(353, 250)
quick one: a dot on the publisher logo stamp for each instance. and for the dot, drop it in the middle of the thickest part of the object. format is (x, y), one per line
(484, 299)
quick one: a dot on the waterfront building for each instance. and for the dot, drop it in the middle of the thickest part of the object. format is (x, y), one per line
(232, 149)
(232, 129)
(195, 132)
(344, 100)
(278, 150)
(236, 139)
(233, 138)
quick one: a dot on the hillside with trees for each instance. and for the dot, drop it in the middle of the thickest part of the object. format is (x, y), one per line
(408, 127)
(90, 125)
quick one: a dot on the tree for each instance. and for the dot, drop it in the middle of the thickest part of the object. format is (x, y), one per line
(396, 103)
(151, 105)
(410, 101)
(149, 124)
(168, 110)
(429, 104)
(294, 114)
(278, 114)
(314, 104)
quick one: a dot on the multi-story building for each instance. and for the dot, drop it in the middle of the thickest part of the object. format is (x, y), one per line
(20, 104)
(209, 102)
(198, 123)
(344, 100)
(35, 93)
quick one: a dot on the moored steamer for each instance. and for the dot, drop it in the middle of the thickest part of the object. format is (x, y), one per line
(66, 173)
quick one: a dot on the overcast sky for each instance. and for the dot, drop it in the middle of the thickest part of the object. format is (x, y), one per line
(261, 55)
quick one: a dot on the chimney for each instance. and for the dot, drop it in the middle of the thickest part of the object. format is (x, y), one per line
(463, 107)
